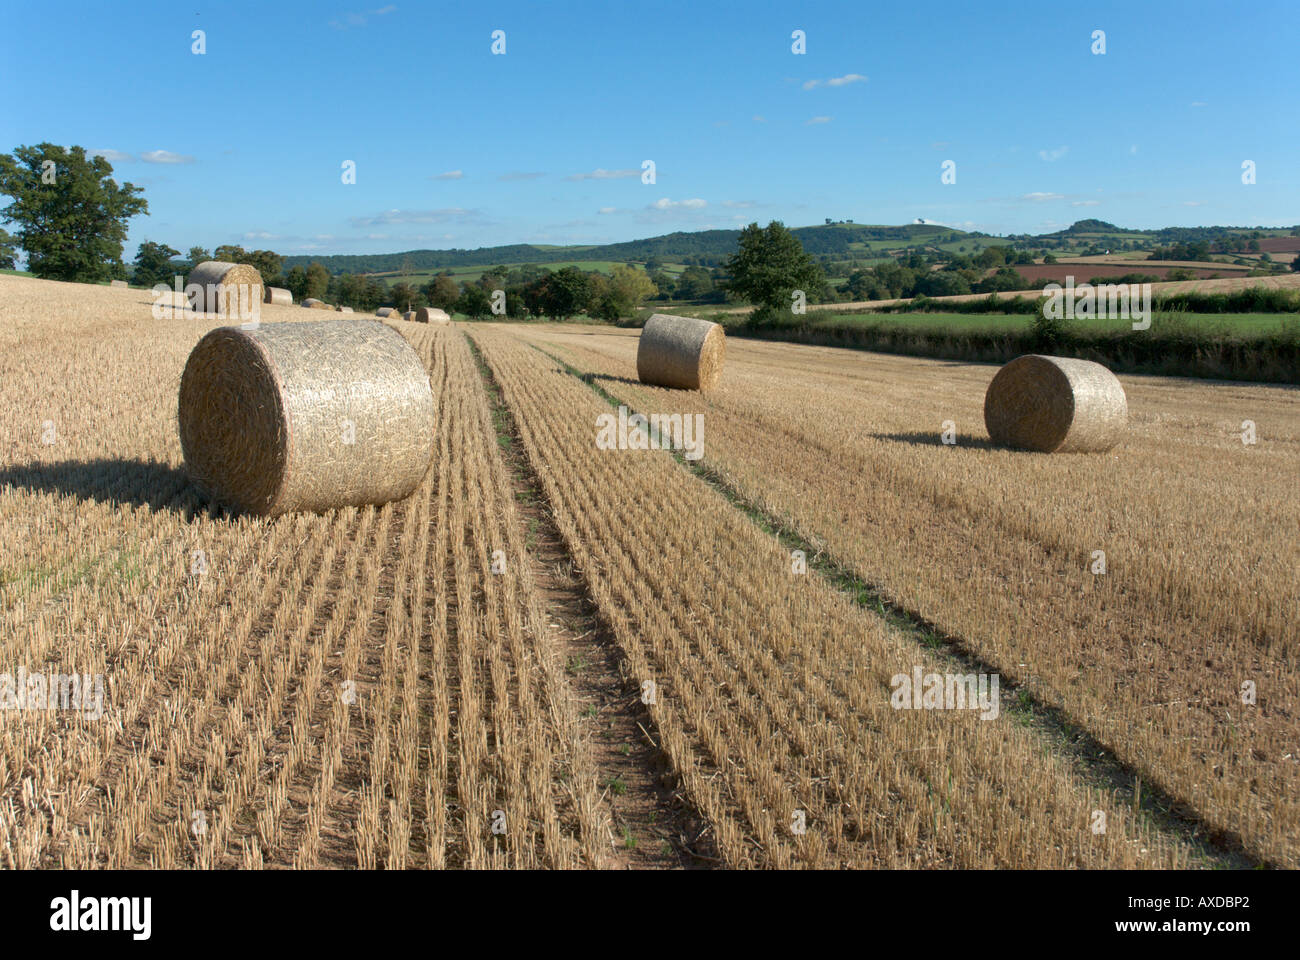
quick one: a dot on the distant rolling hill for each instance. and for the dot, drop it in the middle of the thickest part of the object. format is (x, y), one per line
(846, 239)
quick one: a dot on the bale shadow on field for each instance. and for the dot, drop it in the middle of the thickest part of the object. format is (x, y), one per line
(591, 377)
(121, 483)
(932, 439)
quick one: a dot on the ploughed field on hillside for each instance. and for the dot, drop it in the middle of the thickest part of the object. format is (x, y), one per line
(559, 655)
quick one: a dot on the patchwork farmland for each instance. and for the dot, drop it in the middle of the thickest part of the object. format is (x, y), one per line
(557, 655)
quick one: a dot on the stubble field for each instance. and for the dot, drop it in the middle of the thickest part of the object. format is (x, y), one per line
(553, 655)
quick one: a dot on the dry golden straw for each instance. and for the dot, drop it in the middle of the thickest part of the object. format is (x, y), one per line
(680, 352)
(431, 315)
(390, 312)
(311, 303)
(278, 295)
(1055, 405)
(343, 309)
(117, 283)
(409, 316)
(233, 290)
(305, 416)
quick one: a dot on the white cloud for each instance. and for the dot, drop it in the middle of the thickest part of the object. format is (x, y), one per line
(835, 81)
(1193, 203)
(1039, 197)
(165, 156)
(607, 210)
(449, 175)
(1133, 149)
(414, 216)
(1199, 103)
(1053, 155)
(1085, 203)
(602, 174)
(738, 204)
(113, 156)
(260, 235)
(759, 118)
(663, 203)
(361, 19)
(818, 120)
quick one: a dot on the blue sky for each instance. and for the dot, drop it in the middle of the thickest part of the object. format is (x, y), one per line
(457, 147)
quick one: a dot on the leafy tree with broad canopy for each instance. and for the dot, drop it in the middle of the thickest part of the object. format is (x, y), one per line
(770, 265)
(71, 213)
(153, 264)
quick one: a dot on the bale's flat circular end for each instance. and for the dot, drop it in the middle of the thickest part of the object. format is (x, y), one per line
(1055, 405)
(232, 421)
(683, 353)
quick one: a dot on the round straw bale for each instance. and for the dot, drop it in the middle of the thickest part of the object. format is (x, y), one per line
(343, 309)
(117, 283)
(680, 352)
(305, 416)
(278, 295)
(233, 290)
(311, 303)
(387, 312)
(1055, 405)
(431, 315)
(409, 316)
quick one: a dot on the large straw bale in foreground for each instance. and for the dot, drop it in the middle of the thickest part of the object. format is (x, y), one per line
(233, 290)
(305, 416)
(431, 315)
(1055, 405)
(278, 295)
(680, 352)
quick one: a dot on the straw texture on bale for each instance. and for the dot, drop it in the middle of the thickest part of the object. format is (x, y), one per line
(387, 312)
(409, 316)
(266, 416)
(233, 290)
(1055, 405)
(117, 283)
(343, 309)
(311, 303)
(431, 315)
(278, 295)
(680, 352)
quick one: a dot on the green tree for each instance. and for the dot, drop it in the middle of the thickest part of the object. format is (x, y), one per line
(564, 293)
(269, 264)
(8, 251)
(1295, 264)
(71, 213)
(406, 297)
(630, 287)
(769, 265)
(1048, 258)
(296, 281)
(230, 253)
(153, 264)
(474, 302)
(442, 292)
(318, 281)
(197, 255)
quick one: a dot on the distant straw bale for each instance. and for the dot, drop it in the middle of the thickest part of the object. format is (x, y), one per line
(232, 290)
